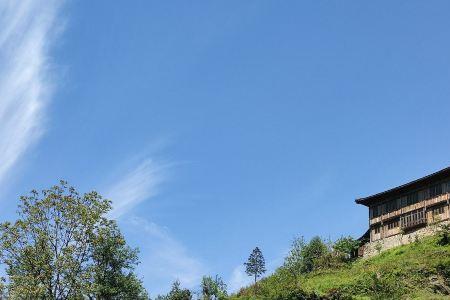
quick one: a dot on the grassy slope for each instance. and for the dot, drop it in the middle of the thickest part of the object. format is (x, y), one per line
(406, 272)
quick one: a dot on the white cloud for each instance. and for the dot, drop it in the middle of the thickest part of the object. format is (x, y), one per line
(164, 259)
(239, 279)
(138, 184)
(27, 29)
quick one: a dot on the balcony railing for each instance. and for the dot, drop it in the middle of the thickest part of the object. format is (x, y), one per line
(413, 219)
(410, 208)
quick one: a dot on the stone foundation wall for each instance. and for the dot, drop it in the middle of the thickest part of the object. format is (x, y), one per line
(375, 247)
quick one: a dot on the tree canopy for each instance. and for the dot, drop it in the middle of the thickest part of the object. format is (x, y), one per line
(213, 288)
(176, 293)
(62, 246)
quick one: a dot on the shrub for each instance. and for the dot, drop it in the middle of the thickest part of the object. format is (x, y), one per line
(336, 294)
(378, 247)
(443, 234)
(312, 253)
(317, 255)
(329, 260)
(347, 247)
(296, 295)
(294, 262)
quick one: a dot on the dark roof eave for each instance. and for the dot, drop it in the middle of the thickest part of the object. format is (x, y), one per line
(403, 188)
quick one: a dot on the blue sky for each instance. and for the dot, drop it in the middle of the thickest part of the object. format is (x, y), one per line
(218, 126)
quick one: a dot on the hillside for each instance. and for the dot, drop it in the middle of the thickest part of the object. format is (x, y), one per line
(420, 270)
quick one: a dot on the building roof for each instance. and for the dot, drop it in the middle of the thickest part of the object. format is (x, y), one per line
(402, 189)
(365, 237)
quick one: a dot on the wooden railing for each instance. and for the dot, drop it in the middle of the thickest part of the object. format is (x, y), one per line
(412, 207)
(413, 219)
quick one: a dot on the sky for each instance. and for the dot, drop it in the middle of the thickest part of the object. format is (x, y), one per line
(219, 126)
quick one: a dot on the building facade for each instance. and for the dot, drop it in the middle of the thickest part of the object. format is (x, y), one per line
(412, 210)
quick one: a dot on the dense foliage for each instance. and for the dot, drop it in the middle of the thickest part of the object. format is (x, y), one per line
(176, 293)
(420, 270)
(63, 247)
(213, 288)
(294, 261)
(347, 247)
(114, 262)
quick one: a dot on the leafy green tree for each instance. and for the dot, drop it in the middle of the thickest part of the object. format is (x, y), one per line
(114, 262)
(313, 251)
(255, 265)
(213, 288)
(176, 293)
(53, 250)
(347, 247)
(294, 261)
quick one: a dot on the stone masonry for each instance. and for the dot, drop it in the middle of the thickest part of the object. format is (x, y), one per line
(375, 247)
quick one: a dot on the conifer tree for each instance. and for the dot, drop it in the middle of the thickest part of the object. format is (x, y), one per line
(256, 265)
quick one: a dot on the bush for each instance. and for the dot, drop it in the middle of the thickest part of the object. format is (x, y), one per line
(317, 255)
(347, 247)
(443, 234)
(296, 295)
(336, 294)
(294, 262)
(312, 253)
(330, 260)
(385, 286)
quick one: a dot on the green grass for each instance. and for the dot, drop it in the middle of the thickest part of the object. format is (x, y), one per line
(400, 273)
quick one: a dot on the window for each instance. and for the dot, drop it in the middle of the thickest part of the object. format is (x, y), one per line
(435, 190)
(392, 205)
(438, 211)
(393, 225)
(377, 229)
(412, 198)
(376, 211)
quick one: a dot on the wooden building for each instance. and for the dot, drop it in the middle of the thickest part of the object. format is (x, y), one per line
(409, 207)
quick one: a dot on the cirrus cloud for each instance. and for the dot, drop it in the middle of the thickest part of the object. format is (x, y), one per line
(27, 30)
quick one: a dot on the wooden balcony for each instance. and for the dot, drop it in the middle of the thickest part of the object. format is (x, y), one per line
(404, 210)
(413, 219)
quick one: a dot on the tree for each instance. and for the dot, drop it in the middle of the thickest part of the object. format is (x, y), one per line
(114, 262)
(315, 249)
(57, 247)
(176, 293)
(256, 265)
(294, 261)
(347, 247)
(213, 288)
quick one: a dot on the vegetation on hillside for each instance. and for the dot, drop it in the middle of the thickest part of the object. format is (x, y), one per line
(63, 246)
(321, 269)
(420, 270)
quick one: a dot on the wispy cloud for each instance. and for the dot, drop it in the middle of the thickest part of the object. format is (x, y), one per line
(239, 279)
(140, 182)
(27, 30)
(164, 259)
